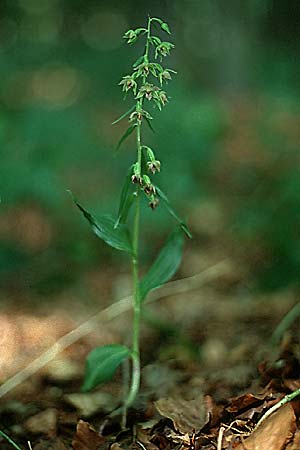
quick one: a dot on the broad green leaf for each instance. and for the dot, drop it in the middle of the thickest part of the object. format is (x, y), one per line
(125, 210)
(104, 228)
(164, 26)
(126, 198)
(125, 135)
(165, 265)
(124, 115)
(138, 61)
(102, 363)
(171, 211)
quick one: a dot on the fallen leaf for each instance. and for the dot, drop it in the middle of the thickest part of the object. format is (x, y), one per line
(295, 445)
(86, 438)
(243, 402)
(186, 415)
(292, 385)
(274, 433)
(246, 406)
(143, 436)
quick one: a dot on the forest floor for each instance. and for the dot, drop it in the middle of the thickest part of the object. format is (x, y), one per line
(213, 364)
(216, 356)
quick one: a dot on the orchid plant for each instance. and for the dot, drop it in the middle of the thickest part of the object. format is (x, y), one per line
(146, 84)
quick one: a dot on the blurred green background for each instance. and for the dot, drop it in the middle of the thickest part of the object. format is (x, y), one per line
(228, 140)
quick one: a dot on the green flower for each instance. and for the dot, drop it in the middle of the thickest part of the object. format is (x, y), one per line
(165, 75)
(154, 166)
(163, 49)
(128, 83)
(147, 90)
(138, 115)
(130, 36)
(160, 98)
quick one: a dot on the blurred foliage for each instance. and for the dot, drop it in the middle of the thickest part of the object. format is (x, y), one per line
(230, 134)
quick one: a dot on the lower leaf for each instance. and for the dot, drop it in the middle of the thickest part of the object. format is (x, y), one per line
(165, 265)
(102, 363)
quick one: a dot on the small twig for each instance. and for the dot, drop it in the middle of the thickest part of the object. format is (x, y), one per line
(107, 314)
(141, 444)
(278, 405)
(220, 438)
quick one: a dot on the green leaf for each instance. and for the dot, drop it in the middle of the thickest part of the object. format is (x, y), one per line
(102, 363)
(171, 211)
(125, 136)
(148, 121)
(138, 61)
(125, 210)
(124, 115)
(158, 67)
(165, 266)
(126, 198)
(104, 228)
(164, 26)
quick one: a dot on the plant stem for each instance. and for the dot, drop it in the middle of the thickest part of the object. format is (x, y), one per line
(283, 401)
(147, 40)
(10, 440)
(135, 350)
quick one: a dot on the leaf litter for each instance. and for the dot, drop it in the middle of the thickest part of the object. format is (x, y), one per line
(212, 403)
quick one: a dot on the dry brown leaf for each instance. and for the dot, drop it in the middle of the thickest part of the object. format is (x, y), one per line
(186, 415)
(143, 437)
(295, 445)
(274, 433)
(244, 401)
(292, 385)
(247, 405)
(86, 438)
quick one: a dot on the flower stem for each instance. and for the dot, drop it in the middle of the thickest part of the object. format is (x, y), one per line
(147, 40)
(135, 350)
